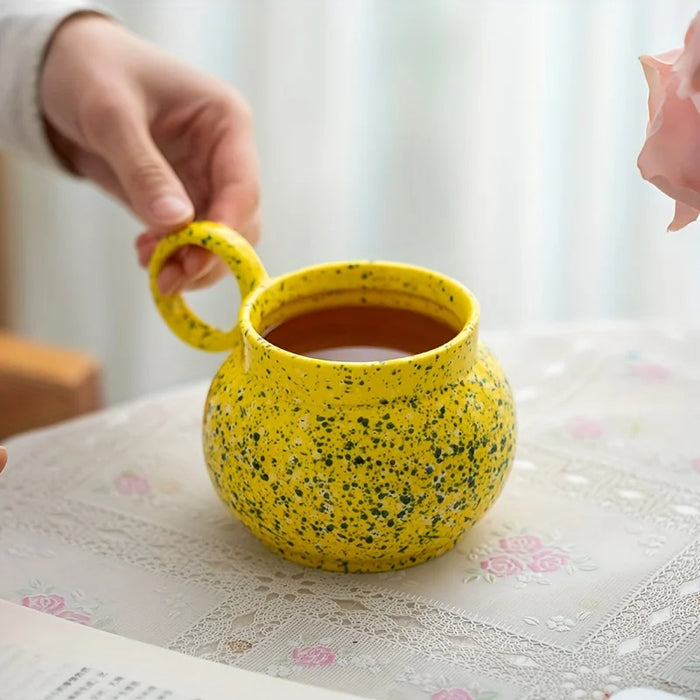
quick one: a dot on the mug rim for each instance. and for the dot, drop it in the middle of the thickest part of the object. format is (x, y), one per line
(469, 328)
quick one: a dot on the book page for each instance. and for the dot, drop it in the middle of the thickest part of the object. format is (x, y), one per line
(45, 658)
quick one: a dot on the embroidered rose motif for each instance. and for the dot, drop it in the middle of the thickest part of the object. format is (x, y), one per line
(74, 616)
(548, 560)
(584, 428)
(452, 694)
(314, 652)
(314, 656)
(520, 544)
(650, 371)
(129, 483)
(511, 556)
(52, 604)
(502, 565)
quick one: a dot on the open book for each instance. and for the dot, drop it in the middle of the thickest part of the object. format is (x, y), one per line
(45, 658)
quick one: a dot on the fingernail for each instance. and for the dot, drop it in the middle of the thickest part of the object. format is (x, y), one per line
(169, 280)
(171, 209)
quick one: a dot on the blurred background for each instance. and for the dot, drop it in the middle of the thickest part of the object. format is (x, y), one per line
(493, 140)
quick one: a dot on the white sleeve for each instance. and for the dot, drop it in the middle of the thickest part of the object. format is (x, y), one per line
(26, 26)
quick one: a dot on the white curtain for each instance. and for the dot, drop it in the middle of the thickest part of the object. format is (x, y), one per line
(494, 140)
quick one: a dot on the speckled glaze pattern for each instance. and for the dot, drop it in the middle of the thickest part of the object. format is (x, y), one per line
(348, 466)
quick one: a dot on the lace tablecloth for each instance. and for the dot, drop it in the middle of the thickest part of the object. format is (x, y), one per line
(584, 578)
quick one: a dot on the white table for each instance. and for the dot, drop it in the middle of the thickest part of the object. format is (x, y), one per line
(584, 578)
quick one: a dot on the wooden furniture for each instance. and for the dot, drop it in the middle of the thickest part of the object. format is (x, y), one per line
(39, 384)
(42, 384)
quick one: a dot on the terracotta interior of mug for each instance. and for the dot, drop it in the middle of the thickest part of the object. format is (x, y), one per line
(374, 284)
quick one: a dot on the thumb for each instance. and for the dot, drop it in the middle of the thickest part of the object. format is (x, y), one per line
(151, 186)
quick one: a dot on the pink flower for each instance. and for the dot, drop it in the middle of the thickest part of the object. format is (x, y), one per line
(520, 544)
(650, 371)
(452, 694)
(696, 464)
(129, 483)
(52, 604)
(502, 565)
(314, 656)
(548, 560)
(584, 428)
(670, 157)
(74, 616)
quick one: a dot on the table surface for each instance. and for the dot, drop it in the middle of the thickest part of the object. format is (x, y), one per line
(584, 577)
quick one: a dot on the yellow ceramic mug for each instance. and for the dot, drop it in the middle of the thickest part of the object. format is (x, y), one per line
(347, 466)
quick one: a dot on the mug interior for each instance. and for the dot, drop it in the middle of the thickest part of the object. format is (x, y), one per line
(356, 284)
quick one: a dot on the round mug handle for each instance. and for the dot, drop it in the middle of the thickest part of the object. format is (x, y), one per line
(241, 259)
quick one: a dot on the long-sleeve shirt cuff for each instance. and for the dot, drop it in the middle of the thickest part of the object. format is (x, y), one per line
(25, 31)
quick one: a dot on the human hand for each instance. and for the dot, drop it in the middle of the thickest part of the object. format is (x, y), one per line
(169, 141)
